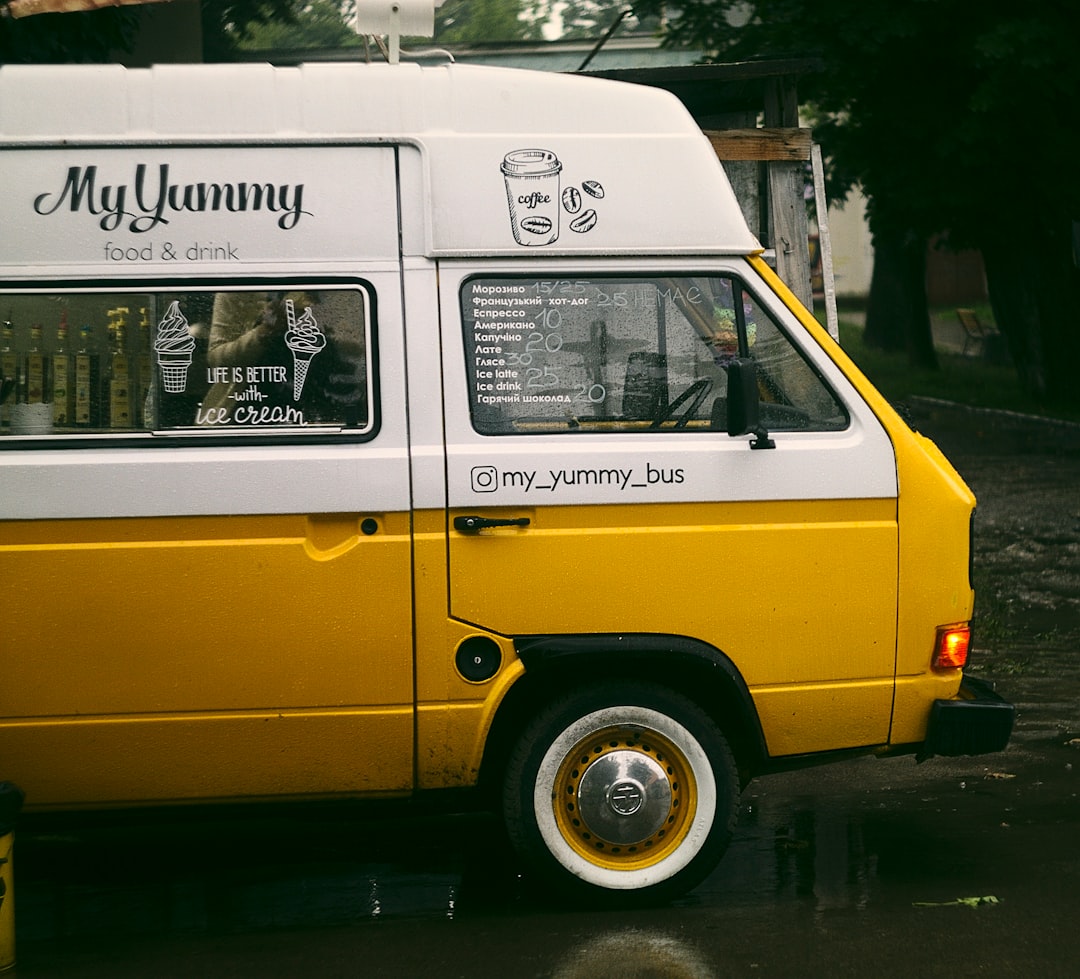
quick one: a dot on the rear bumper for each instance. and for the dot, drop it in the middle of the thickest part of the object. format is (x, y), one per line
(978, 721)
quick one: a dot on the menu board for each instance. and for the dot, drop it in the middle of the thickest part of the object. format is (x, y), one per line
(529, 346)
(576, 350)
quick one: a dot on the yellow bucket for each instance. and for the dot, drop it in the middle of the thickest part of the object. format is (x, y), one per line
(10, 801)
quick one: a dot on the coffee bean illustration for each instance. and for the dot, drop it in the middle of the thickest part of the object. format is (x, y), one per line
(585, 222)
(571, 200)
(593, 188)
(537, 224)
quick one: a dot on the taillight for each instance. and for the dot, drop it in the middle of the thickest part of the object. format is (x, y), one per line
(951, 647)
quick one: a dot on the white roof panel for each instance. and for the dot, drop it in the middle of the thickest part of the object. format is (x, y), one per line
(627, 170)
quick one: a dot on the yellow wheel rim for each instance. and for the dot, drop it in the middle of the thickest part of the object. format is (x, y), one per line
(624, 798)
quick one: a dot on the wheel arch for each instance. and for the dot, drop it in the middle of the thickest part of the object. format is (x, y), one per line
(695, 669)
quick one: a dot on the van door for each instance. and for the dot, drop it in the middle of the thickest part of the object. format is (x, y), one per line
(593, 488)
(222, 617)
(209, 596)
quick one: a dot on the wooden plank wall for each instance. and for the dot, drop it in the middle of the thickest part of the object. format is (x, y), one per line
(785, 149)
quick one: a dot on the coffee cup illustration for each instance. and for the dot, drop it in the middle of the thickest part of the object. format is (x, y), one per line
(532, 191)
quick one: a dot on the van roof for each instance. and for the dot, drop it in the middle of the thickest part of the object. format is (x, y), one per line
(632, 151)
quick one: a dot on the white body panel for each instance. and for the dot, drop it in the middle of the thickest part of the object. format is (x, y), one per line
(173, 211)
(531, 470)
(464, 120)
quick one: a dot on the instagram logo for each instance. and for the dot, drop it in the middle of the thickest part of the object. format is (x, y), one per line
(484, 479)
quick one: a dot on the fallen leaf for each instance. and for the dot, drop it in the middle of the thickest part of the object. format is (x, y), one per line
(969, 902)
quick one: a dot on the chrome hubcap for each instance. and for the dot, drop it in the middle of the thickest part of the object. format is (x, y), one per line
(624, 797)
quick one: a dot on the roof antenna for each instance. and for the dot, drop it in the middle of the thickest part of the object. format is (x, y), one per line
(413, 18)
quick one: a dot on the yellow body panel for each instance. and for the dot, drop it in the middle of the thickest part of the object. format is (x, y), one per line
(207, 631)
(224, 756)
(800, 596)
(452, 715)
(453, 735)
(934, 509)
(806, 717)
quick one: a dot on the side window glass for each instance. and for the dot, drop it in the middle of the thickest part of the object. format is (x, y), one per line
(194, 362)
(793, 395)
(627, 355)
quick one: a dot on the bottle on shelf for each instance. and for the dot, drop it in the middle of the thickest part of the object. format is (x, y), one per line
(87, 380)
(36, 369)
(119, 386)
(10, 374)
(145, 370)
(63, 379)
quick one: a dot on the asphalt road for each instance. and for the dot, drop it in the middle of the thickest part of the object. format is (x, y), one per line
(955, 867)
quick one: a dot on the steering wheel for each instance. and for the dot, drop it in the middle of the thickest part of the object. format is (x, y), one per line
(695, 394)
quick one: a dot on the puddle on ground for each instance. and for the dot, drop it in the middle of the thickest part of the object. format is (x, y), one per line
(839, 838)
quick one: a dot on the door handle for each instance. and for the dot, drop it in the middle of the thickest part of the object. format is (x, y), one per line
(471, 524)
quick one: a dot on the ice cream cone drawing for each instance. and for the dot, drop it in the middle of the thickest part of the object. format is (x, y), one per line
(173, 347)
(305, 340)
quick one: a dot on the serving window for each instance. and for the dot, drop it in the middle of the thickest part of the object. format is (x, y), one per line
(259, 360)
(629, 355)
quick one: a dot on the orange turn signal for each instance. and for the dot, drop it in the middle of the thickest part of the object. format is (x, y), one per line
(952, 646)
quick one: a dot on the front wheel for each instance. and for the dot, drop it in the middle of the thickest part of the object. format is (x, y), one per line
(626, 790)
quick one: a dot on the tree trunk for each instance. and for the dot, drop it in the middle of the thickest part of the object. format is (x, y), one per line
(1059, 301)
(1035, 292)
(897, 316)
(1013, 297)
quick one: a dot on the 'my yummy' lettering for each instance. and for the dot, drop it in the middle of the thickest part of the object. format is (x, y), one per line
(151, 196)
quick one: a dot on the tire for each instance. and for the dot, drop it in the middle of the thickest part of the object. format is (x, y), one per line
(627, 791)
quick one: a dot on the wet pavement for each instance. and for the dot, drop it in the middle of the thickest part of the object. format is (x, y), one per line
(956, 867)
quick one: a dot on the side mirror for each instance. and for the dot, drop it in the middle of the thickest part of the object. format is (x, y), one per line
(743, 416)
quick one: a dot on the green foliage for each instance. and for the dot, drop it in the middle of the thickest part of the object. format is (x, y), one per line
(955, 118)
(971, 380)
(227, 26)
(940, 109)
(319, 24)
(590, 19)
(480, 21)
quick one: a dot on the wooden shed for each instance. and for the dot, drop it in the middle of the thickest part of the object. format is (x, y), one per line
(750, 112)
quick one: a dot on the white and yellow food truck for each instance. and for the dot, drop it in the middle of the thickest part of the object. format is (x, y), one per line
(372, 430)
